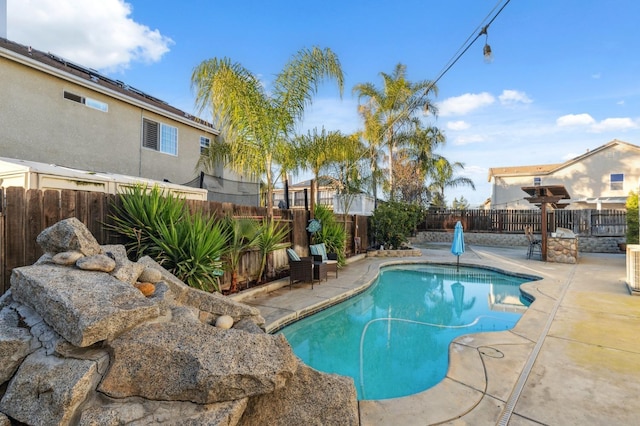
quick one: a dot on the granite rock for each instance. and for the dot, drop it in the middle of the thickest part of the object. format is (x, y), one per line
(68, 235)
(191, 361)
(49, 390)
(84, 307)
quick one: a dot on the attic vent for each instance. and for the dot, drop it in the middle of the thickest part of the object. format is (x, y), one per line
(91, 103)
(150, 134)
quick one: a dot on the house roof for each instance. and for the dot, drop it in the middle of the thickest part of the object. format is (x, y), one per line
(53, 64)
(323, 181)
(550, 168)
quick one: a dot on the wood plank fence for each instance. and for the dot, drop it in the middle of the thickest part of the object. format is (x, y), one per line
(581, 222)
(26, 213)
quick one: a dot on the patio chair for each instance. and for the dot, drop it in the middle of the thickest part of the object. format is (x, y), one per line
(534, 243)
(304, 269)
(320, 255)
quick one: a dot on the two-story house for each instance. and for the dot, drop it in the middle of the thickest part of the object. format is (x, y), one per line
(599, 179)
(55, 111)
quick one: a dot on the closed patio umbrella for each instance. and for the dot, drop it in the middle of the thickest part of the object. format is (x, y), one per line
(457, 247)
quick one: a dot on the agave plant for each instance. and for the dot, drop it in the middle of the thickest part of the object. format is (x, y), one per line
(191, 249)
(139, 214)
(269, 239)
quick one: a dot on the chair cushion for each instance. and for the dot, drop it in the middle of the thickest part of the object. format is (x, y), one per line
(293, 255)
(319, 250)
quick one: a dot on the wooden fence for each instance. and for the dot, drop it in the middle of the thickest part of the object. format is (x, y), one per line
(26, 213)
(581, 222)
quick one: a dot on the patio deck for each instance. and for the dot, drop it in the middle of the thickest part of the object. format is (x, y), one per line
(573, 358)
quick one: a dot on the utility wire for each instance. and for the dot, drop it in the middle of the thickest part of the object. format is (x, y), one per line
(478, 31)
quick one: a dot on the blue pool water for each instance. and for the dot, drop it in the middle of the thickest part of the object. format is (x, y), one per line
(393, 339)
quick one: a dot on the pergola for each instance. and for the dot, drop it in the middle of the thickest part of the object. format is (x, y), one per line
(542, 196)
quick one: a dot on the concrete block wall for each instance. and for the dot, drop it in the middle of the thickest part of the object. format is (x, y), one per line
(586, 244)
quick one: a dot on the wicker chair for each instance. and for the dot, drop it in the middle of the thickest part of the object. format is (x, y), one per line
(320, 255)
(304, 269)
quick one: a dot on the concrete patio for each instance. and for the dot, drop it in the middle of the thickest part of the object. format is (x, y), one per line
(573, 358)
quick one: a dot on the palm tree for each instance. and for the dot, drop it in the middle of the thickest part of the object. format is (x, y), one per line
(242, 237)
(442, 176)
(316, 150)
(270, 238)
(393, 109)
(413, 161)
(256, 124)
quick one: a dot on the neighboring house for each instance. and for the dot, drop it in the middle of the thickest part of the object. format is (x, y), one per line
(300, 196)
(57, 112)
(600, 179)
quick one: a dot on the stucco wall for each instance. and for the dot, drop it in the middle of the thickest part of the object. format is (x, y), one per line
(586, 244)
(38, 124)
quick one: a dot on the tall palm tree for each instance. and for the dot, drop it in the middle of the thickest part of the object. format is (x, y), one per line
(442, 176)
(393, 109)
(316, 149)
(256, 124)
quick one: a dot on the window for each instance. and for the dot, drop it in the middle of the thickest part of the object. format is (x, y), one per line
(536, 181)
(160, 137)
(91, 103)
(204, 143)
(617, 181)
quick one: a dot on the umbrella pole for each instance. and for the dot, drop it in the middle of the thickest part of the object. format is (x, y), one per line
(458, 264)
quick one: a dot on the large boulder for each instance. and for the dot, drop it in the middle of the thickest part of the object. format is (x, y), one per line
(310, 398)
(15, 343)
(144, 412)
(84, 307)
(68, 235)
(191, 361)
(48, 389)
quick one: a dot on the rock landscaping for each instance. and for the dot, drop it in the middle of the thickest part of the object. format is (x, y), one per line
(88, 337)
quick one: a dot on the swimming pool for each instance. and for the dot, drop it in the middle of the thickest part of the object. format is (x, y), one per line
(393, 338)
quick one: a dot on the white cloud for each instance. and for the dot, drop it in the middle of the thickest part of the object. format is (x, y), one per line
(606, 125)
(464, 104)
(614, 124)
(596, 76)
(571, 120)
(510, 97)
(458, 125)
(96, 34)
(620, 102)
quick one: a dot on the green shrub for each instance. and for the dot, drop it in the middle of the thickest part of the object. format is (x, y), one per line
(393, 222)
(332, 233)
(191, 250)
(138, 215)
(633, 222)
(160, 225)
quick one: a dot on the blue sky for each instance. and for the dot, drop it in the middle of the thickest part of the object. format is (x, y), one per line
(565, 75)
